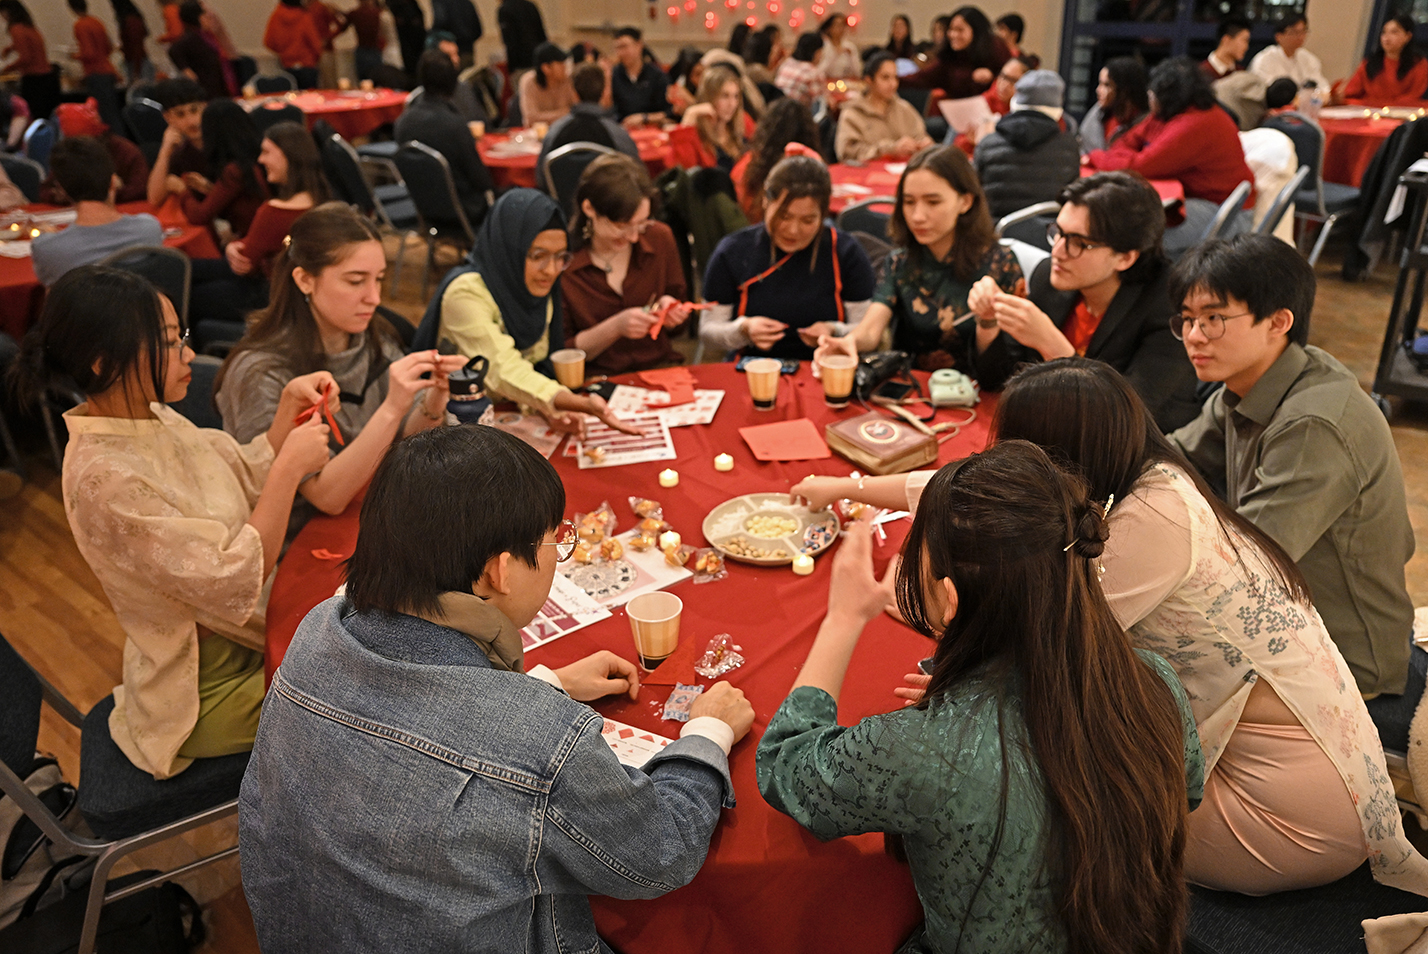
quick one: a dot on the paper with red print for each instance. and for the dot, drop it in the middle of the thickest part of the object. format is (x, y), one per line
(634, 747)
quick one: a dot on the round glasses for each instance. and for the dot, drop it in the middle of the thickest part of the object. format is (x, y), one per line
(1075, 244)
(543, 259)
(1211, 326)
(565, 538)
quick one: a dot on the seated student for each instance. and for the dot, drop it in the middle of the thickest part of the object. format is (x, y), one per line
(524, 810)
(841, 59)
(231, 144)
(1295, 788)
(967, 63)
(1040, 788)
(626, 268)
(1190, 138)
(999, 94)
(1395, 74)
(503, 303)
(779, 285)
(880, 123)
(718, 115)
(546, 92)
(1232, 40)
(684, 75)
(946, 243)
(638, 86)
(463, 97)
(587, 120)
(1280, 97)
(1122, 101)
(900, 42)
(82, 170)
(1009, 29)
(785, 128)
(1297, 447)
(1286, 56)
(195, 56)
(1028, 157)
(181, 152)
(10, 195)
(433, 121)
(181, 525)
(798, 75)
(1101, 294)
(322, 317)
(294, 37)
(82, 119)
(226, 289)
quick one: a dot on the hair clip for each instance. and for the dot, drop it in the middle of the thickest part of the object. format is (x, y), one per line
(287, 241)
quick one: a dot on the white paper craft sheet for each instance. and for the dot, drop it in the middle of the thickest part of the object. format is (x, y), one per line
(634, 747)
(965, 114)
(627, 401)
(652, 443)
(566, 609)
(615, 582)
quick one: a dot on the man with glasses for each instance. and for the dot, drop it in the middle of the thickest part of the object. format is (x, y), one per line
(1287, 57)
(1101, 295)
(1294, 444)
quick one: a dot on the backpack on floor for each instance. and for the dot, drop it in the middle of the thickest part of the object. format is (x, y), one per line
(163, 919)
(34, 872)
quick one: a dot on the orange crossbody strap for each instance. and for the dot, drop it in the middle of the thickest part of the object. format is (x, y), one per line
(837, 280)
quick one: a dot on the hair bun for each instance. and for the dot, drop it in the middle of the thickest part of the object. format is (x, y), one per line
(1091, 531)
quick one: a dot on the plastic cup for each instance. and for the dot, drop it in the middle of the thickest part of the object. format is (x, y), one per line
(837, 371)
(569, 364)
(477, 127)
(763, 375)
(344, 83)
(654, 623)
(367, 84)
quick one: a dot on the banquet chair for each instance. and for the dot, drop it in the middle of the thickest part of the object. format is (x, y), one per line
(433, 191)
(1028, 256)
(1282, 201)
(920, 99)
(167, 269)
(145, 119)
(390, 203)
(125, 807)
(40, 138)
(197, 405)
(1029, 224)
(1317, 200)
(279, 82)
(1230, 208)
(563, 167)
(265, 117)
(864, 216)
(9, 350)
(26, 173)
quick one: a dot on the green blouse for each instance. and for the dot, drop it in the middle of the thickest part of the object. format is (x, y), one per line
(934, 776)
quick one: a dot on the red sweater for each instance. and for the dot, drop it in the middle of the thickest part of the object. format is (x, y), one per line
(94, 47)
(265, 237)
(227, 199)
(1200, 147)
(292, 35)
(1386, 89)
(29, 48)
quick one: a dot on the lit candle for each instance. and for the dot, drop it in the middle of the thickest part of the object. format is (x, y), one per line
(668, 478)
(803, 564)
(724, 462)
(670, 540)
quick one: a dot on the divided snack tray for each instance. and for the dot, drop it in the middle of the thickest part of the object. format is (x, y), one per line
(792, 529)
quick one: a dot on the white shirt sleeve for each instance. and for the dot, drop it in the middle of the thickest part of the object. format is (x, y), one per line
(545, 674)
(720, 330)
(715, 730)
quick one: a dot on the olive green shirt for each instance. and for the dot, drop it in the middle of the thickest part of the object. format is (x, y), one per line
(1308, 458)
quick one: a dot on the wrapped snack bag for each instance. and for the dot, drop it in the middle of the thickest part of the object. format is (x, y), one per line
(644, 507)
(709, 565)
(678, 556)
(719, 658)
(597, 524)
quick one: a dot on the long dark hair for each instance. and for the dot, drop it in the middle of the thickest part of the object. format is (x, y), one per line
(304, 162)
(906, 49)
(1128, 76)
(798, 177)
(683, 66)
(974, 233)
(320, 238)
(982, 50)
(1019, 540)
(786, 120)
(1088, 417)
(738, 37)
(229, 136)
(1178, 85)
(126, 8)
(15, 12)
(1406, 60)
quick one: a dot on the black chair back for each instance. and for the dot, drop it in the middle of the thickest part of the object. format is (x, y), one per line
(265, 117)
(40, 138)
(20, 716)
(870, 215)
(344, 172)
(145, 119)
(917, 97)
(1308, 141)
(565, 165)
(282, 82)
(197, 404)
(167, 269)
(428, 179)
(26, 173)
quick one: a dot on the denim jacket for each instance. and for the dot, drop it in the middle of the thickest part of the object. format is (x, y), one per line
(405, 795)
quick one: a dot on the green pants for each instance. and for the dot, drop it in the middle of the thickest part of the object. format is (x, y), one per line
(230, 698)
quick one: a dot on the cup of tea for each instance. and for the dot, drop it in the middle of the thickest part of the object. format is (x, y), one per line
(367, 84)
(477, 127)
(540, 129)
(654, 623)
(763, 375)
(344, 83)
(569, 364)
(837, 371)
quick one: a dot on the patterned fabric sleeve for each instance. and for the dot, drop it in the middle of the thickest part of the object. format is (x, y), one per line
(887, 290)
(1001, 263)
(1194, 755)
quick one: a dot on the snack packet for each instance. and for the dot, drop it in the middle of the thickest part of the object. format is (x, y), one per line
(676, 708)
(709, 565)
(641, 542)
(719, 658)
(596, 525)
(678, 556)
(652, 526)
(611, 549)
(644, 507)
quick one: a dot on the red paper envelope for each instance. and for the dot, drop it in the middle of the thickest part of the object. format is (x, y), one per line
(786, 440)
(679, 382)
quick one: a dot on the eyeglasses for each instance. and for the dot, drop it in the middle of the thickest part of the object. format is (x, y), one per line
(1075, 244)
(182, 342)
(543, 260)
(1211, 326)
(565, 539)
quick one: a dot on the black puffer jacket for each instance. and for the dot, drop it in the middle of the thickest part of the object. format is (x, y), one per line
(1028, 159)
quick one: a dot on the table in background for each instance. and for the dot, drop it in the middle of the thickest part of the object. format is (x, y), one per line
(21, 293)
(1350, 145)
(768, 885)
(519, 169)
(352, 112)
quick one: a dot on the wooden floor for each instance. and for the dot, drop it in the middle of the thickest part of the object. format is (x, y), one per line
(53, 610)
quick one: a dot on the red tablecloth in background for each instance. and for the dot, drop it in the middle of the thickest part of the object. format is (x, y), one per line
(21, 293)
(1350, 145)
(352, 112)
(767, 885)
(520, 170)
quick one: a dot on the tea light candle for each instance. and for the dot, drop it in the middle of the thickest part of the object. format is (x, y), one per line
(724, 462)
(668, 478)
(670, 540)
(803, 564)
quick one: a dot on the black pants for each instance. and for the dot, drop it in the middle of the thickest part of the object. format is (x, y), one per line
(219, 301)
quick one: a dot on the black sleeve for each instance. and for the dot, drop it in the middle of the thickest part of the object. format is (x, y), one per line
(1158, 368)
(859, 282)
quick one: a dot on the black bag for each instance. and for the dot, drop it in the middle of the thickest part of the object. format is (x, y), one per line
(34, 871)
(150, 922)
(876, 368)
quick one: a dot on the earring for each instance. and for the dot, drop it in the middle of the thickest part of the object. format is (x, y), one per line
(588, 230)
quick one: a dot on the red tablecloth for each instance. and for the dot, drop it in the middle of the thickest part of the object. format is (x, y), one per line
(520, 169)
(352, 112)
(21, 294)
(768, 885)
(1350, 145)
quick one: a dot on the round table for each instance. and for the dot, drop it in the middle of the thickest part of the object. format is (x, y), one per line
(21, 293)
(352, 112)
(1350, 145)
(510, 155)
(768, 885)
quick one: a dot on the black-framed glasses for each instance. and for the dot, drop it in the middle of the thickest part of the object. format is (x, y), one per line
(565, 538)
(1211, 326)
(541, 259)
(1075, 244)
